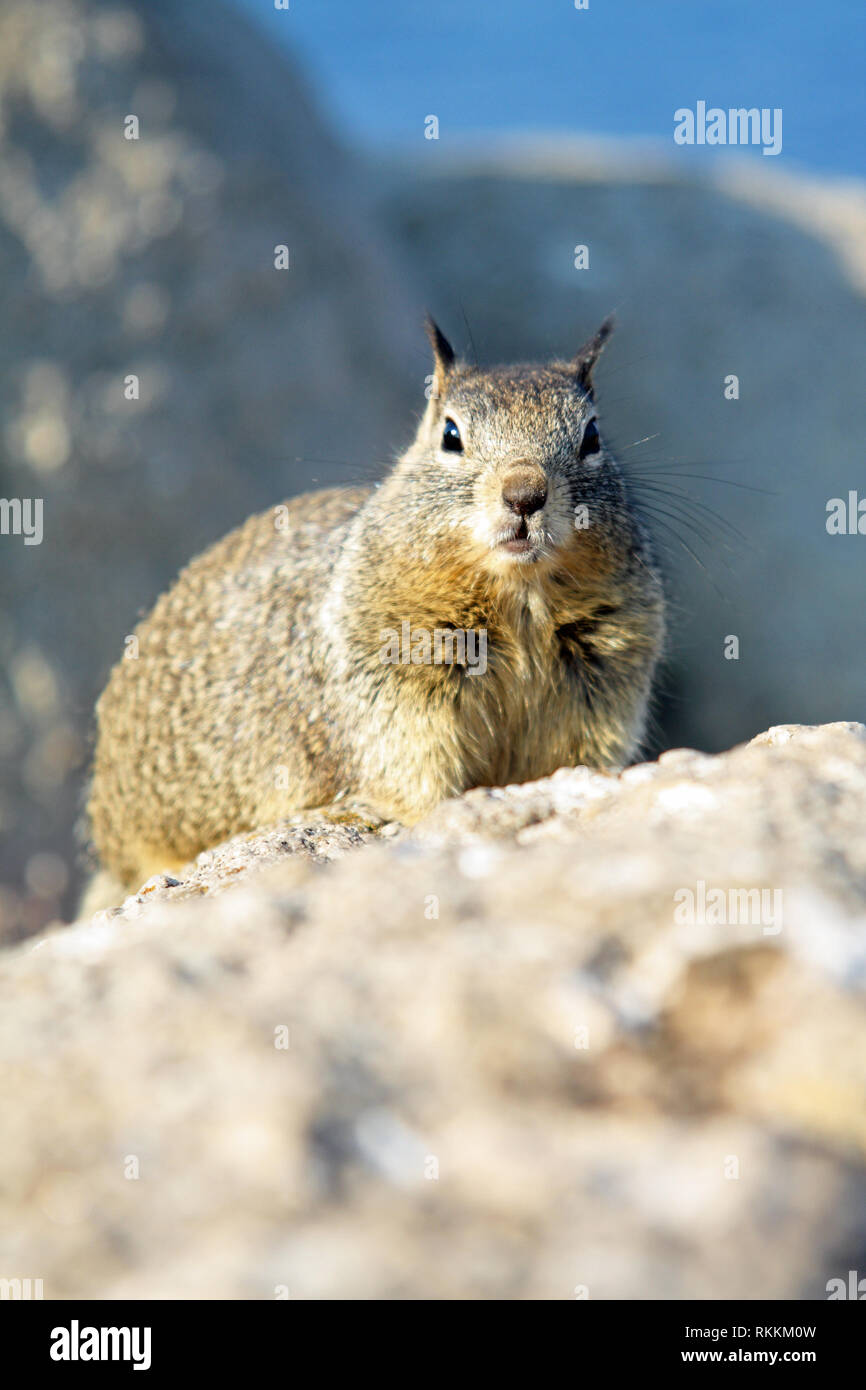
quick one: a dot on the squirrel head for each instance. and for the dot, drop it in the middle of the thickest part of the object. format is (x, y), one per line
(513, 459)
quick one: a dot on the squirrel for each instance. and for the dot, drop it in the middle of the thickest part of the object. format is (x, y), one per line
(488, 613)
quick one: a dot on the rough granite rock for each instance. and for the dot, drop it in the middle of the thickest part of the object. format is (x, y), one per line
(511, 1072)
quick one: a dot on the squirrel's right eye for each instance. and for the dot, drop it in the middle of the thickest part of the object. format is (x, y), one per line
(590, 444)
(451, 441)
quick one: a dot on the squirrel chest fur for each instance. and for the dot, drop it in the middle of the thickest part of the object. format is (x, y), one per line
(489, 613)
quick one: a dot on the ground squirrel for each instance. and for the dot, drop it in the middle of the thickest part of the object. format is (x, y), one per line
(487, 614)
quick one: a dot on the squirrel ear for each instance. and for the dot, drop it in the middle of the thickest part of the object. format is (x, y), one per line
(443, 353)
(586, 358)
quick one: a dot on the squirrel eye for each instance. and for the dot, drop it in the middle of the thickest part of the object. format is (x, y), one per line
(590, 444)
(451, 441)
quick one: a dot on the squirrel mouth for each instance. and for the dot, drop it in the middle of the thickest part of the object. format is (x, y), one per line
(519, 542)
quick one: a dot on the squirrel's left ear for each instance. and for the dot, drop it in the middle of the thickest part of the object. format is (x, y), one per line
(443, 354)
(585, 360)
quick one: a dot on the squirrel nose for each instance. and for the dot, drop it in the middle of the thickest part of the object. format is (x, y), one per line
(524, 491)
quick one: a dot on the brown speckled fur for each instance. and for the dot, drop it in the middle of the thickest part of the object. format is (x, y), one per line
(259, 688)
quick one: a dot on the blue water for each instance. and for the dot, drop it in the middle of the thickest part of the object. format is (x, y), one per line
(619, 68)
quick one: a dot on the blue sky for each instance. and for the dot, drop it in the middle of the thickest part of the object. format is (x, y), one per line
(620, 68)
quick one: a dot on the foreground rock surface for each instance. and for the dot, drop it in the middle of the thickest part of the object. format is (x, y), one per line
(511, 1071)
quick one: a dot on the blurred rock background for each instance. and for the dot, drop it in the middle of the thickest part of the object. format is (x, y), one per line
(484, 1059)
(156, 257)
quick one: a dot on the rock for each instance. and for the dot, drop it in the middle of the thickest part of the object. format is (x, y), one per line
(514, 1068)
(319, 841)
